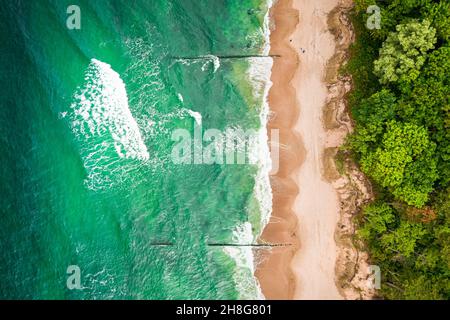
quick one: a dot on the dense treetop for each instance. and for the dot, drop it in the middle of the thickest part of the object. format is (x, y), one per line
(400, 105)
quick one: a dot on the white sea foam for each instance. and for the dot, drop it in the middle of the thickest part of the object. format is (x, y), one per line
(211, 59)
(206, 59)
(101, 106)
(196, 115)
(259, 74)
(102, 121)
(246, 283)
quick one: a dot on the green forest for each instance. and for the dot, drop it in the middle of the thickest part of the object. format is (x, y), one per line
(401, 112)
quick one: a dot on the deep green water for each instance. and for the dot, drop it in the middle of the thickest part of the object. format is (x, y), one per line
(87, 179)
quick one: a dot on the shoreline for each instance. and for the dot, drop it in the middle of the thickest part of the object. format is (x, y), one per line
(312, 204)
(273, 271)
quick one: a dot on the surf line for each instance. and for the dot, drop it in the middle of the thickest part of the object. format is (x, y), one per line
(268, 245)
(263, 245)
(228, 57)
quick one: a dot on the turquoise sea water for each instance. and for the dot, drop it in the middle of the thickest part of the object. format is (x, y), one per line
(87, 177)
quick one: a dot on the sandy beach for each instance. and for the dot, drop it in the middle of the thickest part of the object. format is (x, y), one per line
(306, 206)
(317, 206)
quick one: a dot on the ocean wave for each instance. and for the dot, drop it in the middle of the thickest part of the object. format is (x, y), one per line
(102, 121)
(101, 106)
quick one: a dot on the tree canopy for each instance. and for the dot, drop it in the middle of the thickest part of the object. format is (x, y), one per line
(403, 53)
(400, 105)
(404, 162)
